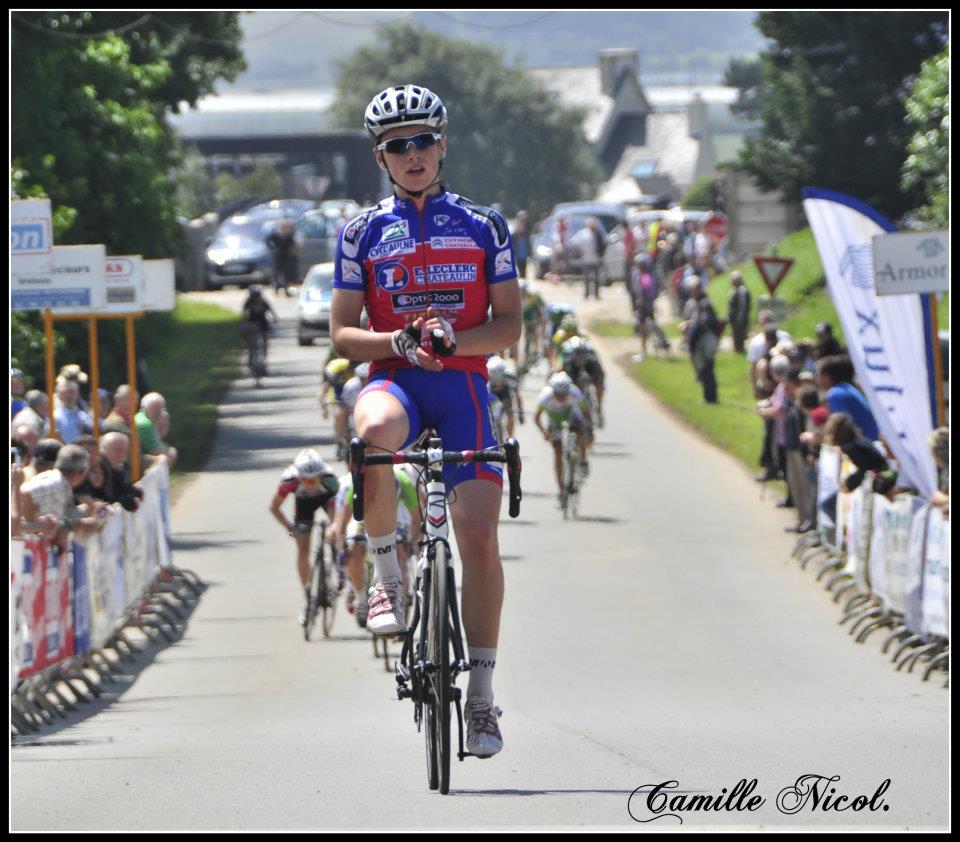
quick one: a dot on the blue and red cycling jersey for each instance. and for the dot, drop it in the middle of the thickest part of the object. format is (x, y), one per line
(405, 261)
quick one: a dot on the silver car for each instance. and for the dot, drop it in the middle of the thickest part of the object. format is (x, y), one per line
(313, 308)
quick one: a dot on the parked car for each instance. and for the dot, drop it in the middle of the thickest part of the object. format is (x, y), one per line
(576, 214)
(317, 235)
(313, 308)
(238, 252)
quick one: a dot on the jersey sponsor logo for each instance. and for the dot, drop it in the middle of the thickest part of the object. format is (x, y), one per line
(492, 218)
(392, 276)
(407, 246)
(352, 231)
(395, 231)
(407, 302)
(350, 272)
(446, 273)
(441, 219)
(503, 262)
(453, 243)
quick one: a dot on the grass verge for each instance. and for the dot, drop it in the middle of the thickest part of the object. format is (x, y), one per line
(191, 355)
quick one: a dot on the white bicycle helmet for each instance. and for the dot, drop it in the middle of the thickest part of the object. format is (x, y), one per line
(309, 464)
(404, 105)
(496, 368)
(560, 383)
(362, 371)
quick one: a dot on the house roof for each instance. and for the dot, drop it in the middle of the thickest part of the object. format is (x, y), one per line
(669, 150)
(257, 114)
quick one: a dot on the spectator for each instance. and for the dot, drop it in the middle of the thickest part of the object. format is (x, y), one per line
(761, 344)
(51, 493)
(774, 411)
(16, 392)
(71, 421)
(558, 245)
(46, 525)
(26, 437)
(120, 417)
(45, 455)
(521, 242)
(836, 375)
(701, 328)
(106, 405)
(37, 413)
(588, 242)
(939, 441)
(827, 345)
(283, 242)
(77, 375)
(151, 410)
(115, 449)
(796, 466)
(738, 312)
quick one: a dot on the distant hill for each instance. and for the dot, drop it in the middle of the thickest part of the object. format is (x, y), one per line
(297, 48)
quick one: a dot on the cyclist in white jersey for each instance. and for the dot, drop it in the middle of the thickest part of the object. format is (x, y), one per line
(561, 401)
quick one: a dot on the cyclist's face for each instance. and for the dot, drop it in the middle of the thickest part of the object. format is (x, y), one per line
(414, 169)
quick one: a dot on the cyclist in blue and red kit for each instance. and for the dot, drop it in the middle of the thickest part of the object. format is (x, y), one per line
(429, 265)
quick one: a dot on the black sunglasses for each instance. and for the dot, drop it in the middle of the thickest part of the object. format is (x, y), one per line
(399, 145)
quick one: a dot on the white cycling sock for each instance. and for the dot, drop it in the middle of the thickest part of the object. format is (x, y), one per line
(383, 552)
(482, 662)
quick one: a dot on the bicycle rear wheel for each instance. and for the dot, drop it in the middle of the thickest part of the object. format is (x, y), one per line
(438, 651)
(315, 585)
(328, 602)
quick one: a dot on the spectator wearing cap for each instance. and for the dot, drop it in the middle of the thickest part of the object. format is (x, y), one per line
(114, 450)
(836, 376)
(147, 420)
(827, 344)
(16, 392)
(738, 312)
(125, 402)
(51, 493)
(37, 413)
(72, 421)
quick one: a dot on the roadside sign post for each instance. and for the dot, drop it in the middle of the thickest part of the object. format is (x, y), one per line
(92, 343)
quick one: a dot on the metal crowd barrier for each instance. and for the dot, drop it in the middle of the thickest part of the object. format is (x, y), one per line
(70, 613)
(887, 562)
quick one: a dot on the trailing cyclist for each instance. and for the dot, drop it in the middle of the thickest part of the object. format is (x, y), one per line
(314, 486)
(336, 373)
(505, 386)
(580, 361)
(555, 313)
(559, 402)
(569, 327)
(534, 316)
(428, 265)
(255, 322)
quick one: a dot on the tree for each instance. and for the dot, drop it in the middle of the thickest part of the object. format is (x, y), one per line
(927, 165)
(747, 76)
(90, 93)
(510, 141)
(833, 102)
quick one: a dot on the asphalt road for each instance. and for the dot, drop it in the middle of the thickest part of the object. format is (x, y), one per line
(664, 636)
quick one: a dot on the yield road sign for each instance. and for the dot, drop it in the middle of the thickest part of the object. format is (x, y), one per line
(773, 270)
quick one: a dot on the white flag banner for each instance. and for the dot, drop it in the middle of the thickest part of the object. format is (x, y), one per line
(888, 337)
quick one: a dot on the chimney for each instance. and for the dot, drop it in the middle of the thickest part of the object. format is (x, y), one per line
(614, 63)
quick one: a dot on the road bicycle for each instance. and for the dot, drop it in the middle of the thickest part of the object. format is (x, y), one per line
(324, 587)
(433, 656)
(586, 385)
(571, 471)
(256, 352)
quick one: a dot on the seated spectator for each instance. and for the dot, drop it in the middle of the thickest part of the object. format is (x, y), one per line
(115, 449)
(16, 392)
(836, 376)
(51, 493)
(125, 403)
(37, 413)
(939, 441)
(147, 419)
(71, 421)
(827, 344)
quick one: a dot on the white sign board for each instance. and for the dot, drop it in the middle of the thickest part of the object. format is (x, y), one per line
(78, 281)
(910, 262)
(31, 254)
(122, 288)
(159, 285)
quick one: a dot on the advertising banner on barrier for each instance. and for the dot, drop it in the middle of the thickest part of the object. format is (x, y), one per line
(887, 336)
(916, 547)
(876, 563)
(896, 535)
(16, 582)
(828, 481)
(81, 599)
(935, 607)
(854, 520)
(48, 614)
(136, 562)
(104, 558)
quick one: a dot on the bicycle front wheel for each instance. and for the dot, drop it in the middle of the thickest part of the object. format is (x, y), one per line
(438, 650)
(328, 602)
(313, 602)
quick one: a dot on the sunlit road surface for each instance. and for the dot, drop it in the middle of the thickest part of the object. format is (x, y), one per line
(665, 635)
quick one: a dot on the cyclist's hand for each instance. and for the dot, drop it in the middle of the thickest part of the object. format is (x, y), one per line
(406, 343)
(441, 334)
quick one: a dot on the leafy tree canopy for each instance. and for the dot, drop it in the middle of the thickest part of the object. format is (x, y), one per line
(927, 164)
(510, 140)
(833, 107)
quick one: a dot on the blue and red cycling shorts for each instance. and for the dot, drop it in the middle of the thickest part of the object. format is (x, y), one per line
(455, 403)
